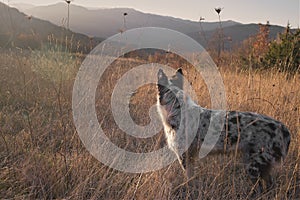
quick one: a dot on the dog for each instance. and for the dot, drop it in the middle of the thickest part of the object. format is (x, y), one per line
(262, 141)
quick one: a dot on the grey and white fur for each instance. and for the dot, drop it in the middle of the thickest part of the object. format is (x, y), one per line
(262, 141)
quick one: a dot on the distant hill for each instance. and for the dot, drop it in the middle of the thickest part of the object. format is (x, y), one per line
(107, 22)
(235, 34)
(20, 30)
(104, 23)
(22, 6)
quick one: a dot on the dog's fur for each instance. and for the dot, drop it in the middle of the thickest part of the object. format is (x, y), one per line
(262, 140)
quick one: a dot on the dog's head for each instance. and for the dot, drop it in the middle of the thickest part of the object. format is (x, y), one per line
(169, 87)
(170, 96)
(176, 80)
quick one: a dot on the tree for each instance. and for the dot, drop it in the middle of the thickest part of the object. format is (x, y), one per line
(255, 48)
(284, 53)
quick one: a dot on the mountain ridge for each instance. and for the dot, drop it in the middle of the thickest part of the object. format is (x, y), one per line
(103, 23)
(111, 20)
(25, 31)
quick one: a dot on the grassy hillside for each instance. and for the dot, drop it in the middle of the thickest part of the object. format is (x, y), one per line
(43, 157)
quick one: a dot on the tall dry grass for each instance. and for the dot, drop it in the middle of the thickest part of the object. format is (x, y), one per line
(42, 156)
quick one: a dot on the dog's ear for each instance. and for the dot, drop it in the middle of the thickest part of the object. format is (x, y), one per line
(179, 71)
(177, 79)
(162, 78)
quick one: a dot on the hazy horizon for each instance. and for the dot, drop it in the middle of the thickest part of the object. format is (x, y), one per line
(256, 11)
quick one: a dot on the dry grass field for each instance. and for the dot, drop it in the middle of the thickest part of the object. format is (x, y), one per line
(42, 157)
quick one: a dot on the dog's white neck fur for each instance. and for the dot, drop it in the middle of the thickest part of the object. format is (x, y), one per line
(169, 131)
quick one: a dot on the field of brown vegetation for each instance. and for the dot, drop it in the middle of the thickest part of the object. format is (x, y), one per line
(42, 156)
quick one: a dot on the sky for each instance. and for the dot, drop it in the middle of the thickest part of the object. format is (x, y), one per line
(278, 12)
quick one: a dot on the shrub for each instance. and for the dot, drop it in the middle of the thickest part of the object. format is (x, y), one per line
(284, 53)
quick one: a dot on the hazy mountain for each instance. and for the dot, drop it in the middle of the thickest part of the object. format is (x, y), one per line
(107, 22)
(235, 34)
(22, 6)
(24, 31)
